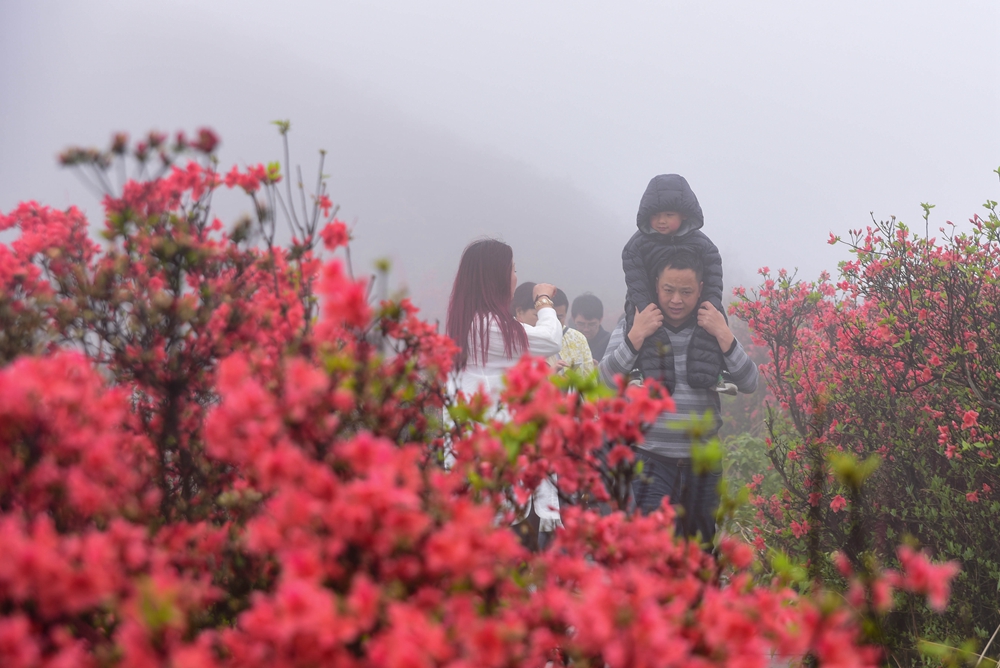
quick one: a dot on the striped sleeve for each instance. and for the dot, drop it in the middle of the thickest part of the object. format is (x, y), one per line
(618, 358)
(742, 369)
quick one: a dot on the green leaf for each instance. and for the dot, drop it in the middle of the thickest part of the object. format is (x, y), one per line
(850, 472)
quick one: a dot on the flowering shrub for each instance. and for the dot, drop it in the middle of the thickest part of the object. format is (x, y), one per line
(215, 452)
(888, 421)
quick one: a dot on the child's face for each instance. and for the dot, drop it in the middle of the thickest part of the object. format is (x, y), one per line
(666, 222)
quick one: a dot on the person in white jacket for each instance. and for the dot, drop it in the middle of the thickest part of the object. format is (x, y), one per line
(491, 341)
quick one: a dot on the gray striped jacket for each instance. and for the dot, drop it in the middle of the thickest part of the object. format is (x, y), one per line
(669, 437)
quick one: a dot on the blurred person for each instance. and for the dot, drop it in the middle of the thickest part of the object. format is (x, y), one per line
(666, 452)
(561, 302)
(587, 313)
(491, 341)
(522, 304)
(575, 352)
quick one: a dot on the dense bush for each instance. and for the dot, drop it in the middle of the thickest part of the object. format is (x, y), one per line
(215, 452)
(887, 424)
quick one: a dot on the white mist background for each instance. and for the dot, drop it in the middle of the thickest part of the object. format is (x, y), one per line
(536, 122)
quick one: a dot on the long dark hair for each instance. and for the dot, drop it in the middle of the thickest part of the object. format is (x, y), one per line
(482, 293)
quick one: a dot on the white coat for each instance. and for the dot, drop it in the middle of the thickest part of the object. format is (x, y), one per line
(544, 340)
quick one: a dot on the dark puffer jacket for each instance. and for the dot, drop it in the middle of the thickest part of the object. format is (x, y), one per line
(643, 252)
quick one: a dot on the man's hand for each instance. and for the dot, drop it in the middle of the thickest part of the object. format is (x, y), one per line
(713, 322)
(646, 322)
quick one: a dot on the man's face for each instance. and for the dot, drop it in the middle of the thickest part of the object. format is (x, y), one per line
(679, 292)
(561, 314)
(666, 222)
(589, 327)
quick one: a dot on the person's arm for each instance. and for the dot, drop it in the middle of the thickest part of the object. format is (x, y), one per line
(647, 321)
(545, 338)
(618, 359)
(637, 287)
(623, 350)
(712, 321)
(741, 368)
(712, 274)
(738, 363)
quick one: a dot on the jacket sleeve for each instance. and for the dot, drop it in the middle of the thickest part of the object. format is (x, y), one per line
(545, 338)
(712, 275)
(742, 369)
(619, 358)
(636, 277)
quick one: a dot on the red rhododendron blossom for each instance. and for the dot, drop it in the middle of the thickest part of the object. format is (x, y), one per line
(207, 140)
(325, 204)
(838, 503)
(920, 576)
(83, 461)
(344, 300)
(19, 648)
(335, 235)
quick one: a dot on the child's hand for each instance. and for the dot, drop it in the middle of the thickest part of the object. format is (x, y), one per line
(647, 321)
(713, 322)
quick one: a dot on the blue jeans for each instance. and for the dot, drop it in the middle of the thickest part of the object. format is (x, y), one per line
(694, 497)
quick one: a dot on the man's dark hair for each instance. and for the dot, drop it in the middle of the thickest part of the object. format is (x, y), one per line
(679, 260)
(521, 300)
(560, 299)
(588, 306)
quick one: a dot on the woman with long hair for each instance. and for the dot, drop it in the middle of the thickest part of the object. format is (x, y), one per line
(489, 337)
(491, 341)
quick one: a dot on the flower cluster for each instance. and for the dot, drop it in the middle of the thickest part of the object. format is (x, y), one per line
(218, 453)
(888, 431)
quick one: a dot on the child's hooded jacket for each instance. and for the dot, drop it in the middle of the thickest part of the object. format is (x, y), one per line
(644, 251)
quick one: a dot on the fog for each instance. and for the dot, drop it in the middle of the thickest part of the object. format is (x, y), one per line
(538, 123)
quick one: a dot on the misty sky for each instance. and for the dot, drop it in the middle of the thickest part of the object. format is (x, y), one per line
(537, 122)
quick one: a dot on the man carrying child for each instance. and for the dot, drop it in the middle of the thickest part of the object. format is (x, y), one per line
(675, 333)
